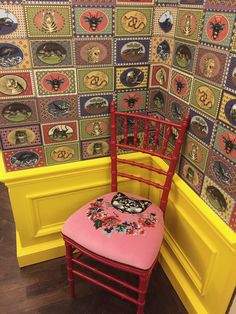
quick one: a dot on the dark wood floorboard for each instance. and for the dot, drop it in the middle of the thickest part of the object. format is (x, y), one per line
(42, 288)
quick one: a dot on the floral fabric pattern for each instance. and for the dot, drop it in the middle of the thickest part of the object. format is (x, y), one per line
(104, 216)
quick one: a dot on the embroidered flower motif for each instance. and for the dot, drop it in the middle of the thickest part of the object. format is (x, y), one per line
(112, 223)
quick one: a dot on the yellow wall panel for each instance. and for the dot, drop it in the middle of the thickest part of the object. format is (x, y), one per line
(199, 250)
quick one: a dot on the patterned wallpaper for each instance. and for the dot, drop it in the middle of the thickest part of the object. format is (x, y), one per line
(62, 62)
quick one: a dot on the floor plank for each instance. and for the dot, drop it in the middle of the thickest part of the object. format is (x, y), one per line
(42, 288)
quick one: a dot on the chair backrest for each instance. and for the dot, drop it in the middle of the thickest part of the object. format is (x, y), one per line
(141, 133)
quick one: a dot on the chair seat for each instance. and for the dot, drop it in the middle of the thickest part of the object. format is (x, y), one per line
(122, 227)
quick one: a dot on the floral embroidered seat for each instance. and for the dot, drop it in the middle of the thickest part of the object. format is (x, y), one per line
(134, 227)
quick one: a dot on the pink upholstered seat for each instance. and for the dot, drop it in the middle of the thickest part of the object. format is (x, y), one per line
(121, 236)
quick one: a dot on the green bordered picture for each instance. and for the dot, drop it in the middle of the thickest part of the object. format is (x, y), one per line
(189, 24)
(59, 154)
(217, 28)
(183, 57)
(94, 128)
(95, 80)
(133, 21)
(205, 97)
(48, 21)
(195, 152)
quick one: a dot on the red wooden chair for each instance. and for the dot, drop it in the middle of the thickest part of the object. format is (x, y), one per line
(123, 230)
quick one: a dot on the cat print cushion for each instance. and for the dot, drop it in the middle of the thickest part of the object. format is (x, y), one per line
(129, 204)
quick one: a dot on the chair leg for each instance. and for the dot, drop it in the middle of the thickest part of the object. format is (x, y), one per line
(143, 285)
(70, 278)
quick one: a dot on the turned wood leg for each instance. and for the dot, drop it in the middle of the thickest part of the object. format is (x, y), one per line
(143, 285)
(70, 277)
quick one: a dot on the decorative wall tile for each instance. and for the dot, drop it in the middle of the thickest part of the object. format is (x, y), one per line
(227, 112)
(201, 126)
(217, 28)
(189, 24)
(93, 2)
(131, 101)
(183, 57)
(13, 21)
(134, 2)
(66, 131)
(222, 172)
(205, 97)
(233, 46)
(210, 65)
(21, 159)
(93, 21)
(64, 61)
(176, 109)
(133, 21)
(48, 53)
(157, 100)
(162, 50)
(55, 82)
(230, 79)
(164, 21)
(58, 108)
(95, 148)
(221, 5)
(63, 153)
(167, 1)
(153, 125)
(16, 84)
(195, 152)
(17, 137)
(94, 128)
(225, 142)
(95, 80)
(217, 199)
(130, 140)
(93, 52)
(131, 50)
(159, 76)
(130, 125)
(48, 21)
(14, 54)
(232, 223)
(132, 77)
(95, 105)
(181, 85)
(192, 3)
(191, 175)
(18, 112)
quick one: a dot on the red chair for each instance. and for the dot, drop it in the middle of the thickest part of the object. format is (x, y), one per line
(123, 230)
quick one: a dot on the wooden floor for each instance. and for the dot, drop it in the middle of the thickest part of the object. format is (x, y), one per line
(42, 288)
